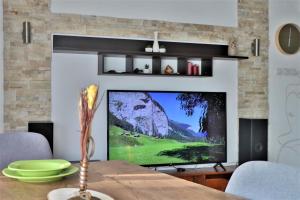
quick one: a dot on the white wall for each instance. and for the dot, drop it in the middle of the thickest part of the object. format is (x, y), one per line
(1, 67)
(71, 72)
(284, 88)
(212, 12)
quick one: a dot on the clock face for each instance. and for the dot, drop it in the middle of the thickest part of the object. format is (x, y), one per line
(288, 39)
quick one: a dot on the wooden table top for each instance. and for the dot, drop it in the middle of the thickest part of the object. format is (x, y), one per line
(120, 180)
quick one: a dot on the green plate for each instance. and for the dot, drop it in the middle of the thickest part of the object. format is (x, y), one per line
(14, 174)
(35, 168)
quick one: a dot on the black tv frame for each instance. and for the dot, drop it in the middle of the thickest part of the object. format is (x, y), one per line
(162, 91)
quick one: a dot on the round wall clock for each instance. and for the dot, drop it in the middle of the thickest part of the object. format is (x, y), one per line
(288, 39)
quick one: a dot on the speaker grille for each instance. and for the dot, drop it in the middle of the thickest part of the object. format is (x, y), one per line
(253, 139)
(44, 128)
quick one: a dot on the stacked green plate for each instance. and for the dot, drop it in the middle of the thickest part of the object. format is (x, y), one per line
(37, 171)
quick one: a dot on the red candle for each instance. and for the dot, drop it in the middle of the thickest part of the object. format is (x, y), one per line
(195, 70)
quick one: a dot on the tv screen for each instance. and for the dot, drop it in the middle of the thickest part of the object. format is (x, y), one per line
(154, 128)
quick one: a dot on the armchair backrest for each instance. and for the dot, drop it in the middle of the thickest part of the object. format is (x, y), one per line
(23, 146)
(263, 180)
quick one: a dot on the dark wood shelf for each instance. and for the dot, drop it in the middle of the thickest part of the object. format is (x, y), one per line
(136, 53)
(172, 55)
(232, 57)
(145, 74)
(141, 53)
(130, 49)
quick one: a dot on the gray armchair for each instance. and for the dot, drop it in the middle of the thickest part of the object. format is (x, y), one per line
(262, 180)
(23, 146)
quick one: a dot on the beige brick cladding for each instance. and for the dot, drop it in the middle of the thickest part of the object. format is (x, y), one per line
(27, 74)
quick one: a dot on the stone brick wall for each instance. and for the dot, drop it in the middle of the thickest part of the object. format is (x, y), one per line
(27, 68)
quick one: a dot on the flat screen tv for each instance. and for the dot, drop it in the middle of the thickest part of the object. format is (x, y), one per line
(155, 128)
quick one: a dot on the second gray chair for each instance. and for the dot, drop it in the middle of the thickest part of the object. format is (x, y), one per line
(23, 146)
(262, 180)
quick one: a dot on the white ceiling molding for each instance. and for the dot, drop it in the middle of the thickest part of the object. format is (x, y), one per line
(210, 12)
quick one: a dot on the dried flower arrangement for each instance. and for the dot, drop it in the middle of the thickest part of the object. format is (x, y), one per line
(87, 109)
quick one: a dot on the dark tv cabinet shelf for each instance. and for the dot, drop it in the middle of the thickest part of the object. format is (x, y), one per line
(129, 50)
(206, 176)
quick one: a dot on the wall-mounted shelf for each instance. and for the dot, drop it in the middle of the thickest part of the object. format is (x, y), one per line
(122, 56)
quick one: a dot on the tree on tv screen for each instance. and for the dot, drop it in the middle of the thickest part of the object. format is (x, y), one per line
(215, 121)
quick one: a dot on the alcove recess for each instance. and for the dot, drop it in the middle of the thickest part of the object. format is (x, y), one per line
(122, 56)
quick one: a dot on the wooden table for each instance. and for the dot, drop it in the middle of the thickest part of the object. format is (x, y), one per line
(119, 180)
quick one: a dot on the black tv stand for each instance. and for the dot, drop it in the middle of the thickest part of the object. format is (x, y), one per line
(220, 165)
(180, 169)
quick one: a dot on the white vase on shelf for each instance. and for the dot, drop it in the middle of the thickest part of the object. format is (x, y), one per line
(155, 47)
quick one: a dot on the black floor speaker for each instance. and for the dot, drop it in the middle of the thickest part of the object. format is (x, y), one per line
(43, 127)
(253, 140)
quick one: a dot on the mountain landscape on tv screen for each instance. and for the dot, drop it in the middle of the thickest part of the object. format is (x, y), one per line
(154, 128)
